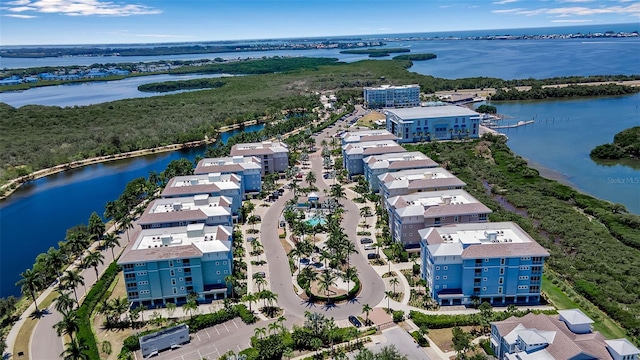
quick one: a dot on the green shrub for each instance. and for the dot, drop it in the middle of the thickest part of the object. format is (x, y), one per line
(417, 336)
(398, 316)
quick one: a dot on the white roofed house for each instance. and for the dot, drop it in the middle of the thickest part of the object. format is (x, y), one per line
(410, 213)
(249, 168)
(274, 155)
(366, 135)
(432, 123)
(182, 211)
(417, 180)
(376, 165)
(163, 265)
(498, 263)
(210, 184)
(353, 154)
(540, 336)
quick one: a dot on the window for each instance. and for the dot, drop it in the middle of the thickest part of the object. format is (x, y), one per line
(132, 294)
(130, 276)
(182, 288)
(181, 279)
(486, 260)
(175, 290)
(141, 273)
(522, 287)
(524, 268)
(217, 263)
(482, 217)
(171, 263)
(143, 283)
(131, 285)
(444, 277)
(501, 271)
(173, 281)
(437, 277)
(485, 269)
(484, 288)
(525, 258)
(226, 272)
(455, 218)
(144, 291)
(179, 269)
(502, 261)
(224, 263)
(523, 278)
(172, 272)
(218, 272)
(500, 281)
(499, 289)
(128, 267)
(446, 268)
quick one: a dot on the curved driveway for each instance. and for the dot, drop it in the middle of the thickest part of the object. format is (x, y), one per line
(373, 288)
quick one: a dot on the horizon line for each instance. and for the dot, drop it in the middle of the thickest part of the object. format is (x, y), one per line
(326, 37)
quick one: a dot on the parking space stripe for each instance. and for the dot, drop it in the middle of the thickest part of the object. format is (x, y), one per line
(225, 326)
(205, 330)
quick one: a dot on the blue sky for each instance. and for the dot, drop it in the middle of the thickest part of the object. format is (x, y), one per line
(48, 22)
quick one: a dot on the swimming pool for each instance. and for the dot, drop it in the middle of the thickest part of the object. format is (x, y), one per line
(315, 221)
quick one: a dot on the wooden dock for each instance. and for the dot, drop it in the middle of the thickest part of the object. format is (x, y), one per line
(518, 124)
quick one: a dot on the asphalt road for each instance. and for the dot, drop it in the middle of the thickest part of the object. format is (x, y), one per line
(280, 274)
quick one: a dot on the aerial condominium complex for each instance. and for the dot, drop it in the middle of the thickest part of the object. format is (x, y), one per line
(392, 96)
(410, 213)
(417, 180)
(214, 184)
(182, 211)
(494, 262)
(274, 155)
(567, 335)
(432, 123)
(353, 154)
(166, 264)
(376, 165)
(249, 168)
(366, 135)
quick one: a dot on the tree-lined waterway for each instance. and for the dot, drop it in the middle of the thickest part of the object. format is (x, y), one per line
(37, 215)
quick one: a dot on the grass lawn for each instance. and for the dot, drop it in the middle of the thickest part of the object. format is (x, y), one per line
(24, 335)
(442, 337)
(602, 322)
(368, 120)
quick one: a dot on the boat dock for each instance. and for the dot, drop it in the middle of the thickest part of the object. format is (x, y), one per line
(518, 124)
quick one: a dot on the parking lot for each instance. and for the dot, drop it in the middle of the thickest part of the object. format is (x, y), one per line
(211, 343)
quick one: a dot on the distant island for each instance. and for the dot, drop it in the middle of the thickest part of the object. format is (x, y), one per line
(415, 57)
(376, 52)
(184, 49)
(626, 144)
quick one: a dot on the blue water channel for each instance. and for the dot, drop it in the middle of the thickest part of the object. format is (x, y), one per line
(37, 215)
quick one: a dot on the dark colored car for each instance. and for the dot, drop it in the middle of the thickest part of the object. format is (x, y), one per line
(366, 241)
(372, 256)
(259, 274)
(354, 321)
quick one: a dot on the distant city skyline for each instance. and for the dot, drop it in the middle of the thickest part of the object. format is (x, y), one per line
(56, 22)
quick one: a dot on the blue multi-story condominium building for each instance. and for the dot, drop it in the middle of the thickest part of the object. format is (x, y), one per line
(432, 123)
(182, 211)
(567, 335)
(392, 96)
(376, 165)
(213, 184)
(249, 168)
(164, 265)
(274, 155)
(494, 262)
(366, 135)
(410, 213)
(353, 154)
(417, 180)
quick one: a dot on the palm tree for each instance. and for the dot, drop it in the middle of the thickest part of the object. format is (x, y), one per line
(250, 298)
(257, 248)
(388, 295)
(260, 282)
(273, 327)
(394, 281)
(337, 192)
(68, 325)
(269, 297)
(349, 273)
(260, 332)
(171, 308)
(94, 259)
(55, 260)
(71, 279)
(231, 281)
(288, 353)
(327, 279)
(308, 275)
(65, 303)
(191, 306)
(365, 211)
(281, 321)
(75, 350)
(111, 240)
(310, 178)
(366, 309)
(30, 282)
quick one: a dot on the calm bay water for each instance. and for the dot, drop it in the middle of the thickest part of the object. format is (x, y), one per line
(94, 92)
(565, 132)
(37, 215)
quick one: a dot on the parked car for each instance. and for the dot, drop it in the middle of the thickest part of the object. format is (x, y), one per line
(251, 239)
(259, 274)
(366, 241)
(354, 321)
(325, 175)
(369, 247)
(372, 256)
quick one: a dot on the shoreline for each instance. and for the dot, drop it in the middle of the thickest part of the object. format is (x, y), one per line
(14, 184)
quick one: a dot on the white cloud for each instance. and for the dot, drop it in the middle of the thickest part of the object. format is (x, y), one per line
(79, 7)
(576, 1)
(502, 2)
(19, 16)
(161, 36)
(633, 10)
